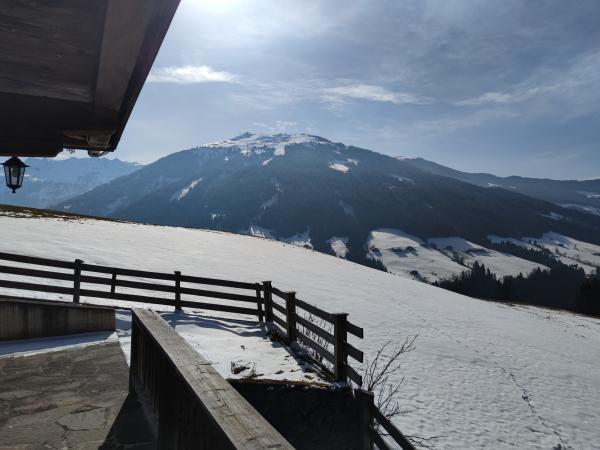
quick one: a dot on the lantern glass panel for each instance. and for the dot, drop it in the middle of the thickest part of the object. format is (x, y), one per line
(16, 176)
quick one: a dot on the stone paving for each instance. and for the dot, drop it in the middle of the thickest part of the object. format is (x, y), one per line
(70, 399)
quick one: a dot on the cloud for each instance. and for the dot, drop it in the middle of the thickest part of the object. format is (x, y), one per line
(189, 75)
(372, 93)
(519, 95)
(279, 126)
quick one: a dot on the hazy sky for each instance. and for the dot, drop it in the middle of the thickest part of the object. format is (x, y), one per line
(508, 87)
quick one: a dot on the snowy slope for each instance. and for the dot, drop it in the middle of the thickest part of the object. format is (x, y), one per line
(564, 248)
(435, 259)
(250, 143)
(483, 375)
(309, 190)
(408, 255)
(502, 264)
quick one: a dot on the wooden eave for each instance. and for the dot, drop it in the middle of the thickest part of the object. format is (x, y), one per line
(71, 70)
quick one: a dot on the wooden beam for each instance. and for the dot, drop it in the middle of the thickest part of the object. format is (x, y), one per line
(125, 27)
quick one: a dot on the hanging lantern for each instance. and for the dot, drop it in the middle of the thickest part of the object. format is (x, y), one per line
(14, 171)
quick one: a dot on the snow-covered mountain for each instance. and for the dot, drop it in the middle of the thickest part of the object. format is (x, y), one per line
(580, 195)
(483, 375)
(343, 200)
(49, 181)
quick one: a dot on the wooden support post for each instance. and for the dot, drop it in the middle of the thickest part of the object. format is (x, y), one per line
(113, 281)
(177, 291)
(268, 296)
(77, 280)
(259, 303)
(340, 332)
(290, 316)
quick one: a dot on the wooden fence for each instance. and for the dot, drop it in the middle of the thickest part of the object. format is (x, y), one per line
(391, 432)
(296, 319)
(256, 299)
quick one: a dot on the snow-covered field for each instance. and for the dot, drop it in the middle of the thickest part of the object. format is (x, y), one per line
(435, 259)
(483, 375)
(566, 249)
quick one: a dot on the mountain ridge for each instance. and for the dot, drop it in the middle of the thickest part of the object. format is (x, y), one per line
(331, 200)
(567, 193)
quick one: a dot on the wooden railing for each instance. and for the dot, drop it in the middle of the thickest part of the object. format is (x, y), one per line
(192, 405)
(325, 334)
(296, 320)
(391, 432)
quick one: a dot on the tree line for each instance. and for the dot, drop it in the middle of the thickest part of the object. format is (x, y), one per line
(563, 286)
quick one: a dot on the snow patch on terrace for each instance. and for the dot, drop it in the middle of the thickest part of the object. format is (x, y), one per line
(28, 347)
(339, 245)
(236, 348)
(518, 375)
(256, 144)
(186, 190)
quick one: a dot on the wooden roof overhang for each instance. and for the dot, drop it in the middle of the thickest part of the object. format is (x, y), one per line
(71, 70)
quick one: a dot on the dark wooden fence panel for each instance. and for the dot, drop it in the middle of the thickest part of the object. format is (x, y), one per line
(36, 260)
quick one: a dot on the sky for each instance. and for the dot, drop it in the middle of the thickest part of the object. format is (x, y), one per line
(507, 87)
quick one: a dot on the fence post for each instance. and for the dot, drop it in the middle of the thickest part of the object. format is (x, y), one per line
(177, 291)
(268, 301)
(77, 280)
(340, 332)
(290, 316)
(113, 282)
(259, 303)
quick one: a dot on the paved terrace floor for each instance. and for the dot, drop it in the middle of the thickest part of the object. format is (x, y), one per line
(70, 399)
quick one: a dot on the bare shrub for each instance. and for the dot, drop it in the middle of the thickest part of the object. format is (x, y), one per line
(377, 375)
(377, 372)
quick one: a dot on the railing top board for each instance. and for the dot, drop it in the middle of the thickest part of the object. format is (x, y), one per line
(238, 420)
